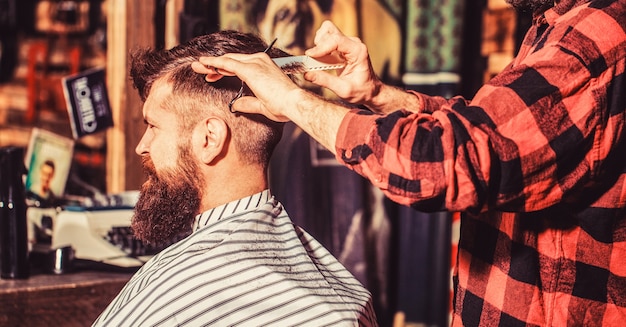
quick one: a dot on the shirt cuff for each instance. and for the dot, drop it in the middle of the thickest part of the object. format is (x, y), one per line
(353, 131)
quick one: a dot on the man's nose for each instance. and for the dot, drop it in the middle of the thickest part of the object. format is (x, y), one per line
(142, 147)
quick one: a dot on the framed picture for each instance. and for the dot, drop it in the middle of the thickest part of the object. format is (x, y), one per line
(48, 160)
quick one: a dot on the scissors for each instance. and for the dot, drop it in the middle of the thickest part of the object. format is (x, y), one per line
(240, 93)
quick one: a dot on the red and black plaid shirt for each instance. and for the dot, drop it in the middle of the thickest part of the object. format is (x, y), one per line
(537, 164)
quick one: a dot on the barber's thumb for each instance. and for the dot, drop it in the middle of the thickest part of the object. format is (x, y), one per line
(247, 104)
(252, 105)
(321, 78)
(316, 51)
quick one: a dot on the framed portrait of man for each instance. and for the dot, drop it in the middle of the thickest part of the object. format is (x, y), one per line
(48, 160)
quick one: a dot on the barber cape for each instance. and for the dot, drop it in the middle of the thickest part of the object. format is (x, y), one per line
(253, 267)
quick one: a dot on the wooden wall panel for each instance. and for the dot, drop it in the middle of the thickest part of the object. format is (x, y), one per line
(130, 25)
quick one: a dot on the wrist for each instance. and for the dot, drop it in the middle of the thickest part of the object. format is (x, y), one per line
(377, 96)
(319, 118)
(388, 98)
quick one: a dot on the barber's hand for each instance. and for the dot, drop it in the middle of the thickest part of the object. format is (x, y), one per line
(357, 82)
(271, 87)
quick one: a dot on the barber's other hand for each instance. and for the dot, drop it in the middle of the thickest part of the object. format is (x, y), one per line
(357, 82)
(271, 87)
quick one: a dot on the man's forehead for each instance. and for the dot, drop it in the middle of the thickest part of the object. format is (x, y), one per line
(158, 94)
(160, 90)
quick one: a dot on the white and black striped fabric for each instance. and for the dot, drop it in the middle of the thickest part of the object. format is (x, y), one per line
(245, 264)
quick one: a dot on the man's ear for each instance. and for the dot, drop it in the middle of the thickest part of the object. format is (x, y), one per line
(214, 134)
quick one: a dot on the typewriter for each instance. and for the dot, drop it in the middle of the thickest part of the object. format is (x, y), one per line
(99, 235)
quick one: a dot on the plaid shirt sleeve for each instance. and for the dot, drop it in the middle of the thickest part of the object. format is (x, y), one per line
(536, 135)
(536, 162)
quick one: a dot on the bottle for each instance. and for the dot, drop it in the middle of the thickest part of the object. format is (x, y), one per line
(14, 262)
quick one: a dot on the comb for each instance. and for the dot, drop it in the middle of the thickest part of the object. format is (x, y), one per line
(301, 64)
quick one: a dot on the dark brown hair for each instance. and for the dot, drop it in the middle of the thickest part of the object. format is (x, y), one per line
(193, 98)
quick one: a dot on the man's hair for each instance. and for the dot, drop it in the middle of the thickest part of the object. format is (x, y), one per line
(193, 98)
(48, 162)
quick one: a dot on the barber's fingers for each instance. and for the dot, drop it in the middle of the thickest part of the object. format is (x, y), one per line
(246, 66)
(325, 41)
(215, 67)
(212, 73)
(329, 40)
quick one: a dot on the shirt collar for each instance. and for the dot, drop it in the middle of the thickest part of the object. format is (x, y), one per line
(550, 13)
(248, 203)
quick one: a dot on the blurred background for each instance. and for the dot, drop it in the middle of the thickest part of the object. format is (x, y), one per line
(444, 47)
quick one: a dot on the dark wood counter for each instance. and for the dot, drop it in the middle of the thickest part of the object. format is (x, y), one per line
(72, 299)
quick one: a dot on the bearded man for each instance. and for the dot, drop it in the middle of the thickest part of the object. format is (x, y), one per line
(535, 161)
(243, 262)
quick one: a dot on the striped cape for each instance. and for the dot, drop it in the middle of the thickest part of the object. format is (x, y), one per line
(251, 268)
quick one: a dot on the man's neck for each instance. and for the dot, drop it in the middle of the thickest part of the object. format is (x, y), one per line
(231, 186)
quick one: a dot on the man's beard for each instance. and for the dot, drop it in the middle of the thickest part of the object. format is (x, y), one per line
(168, 203)
(529, 5)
